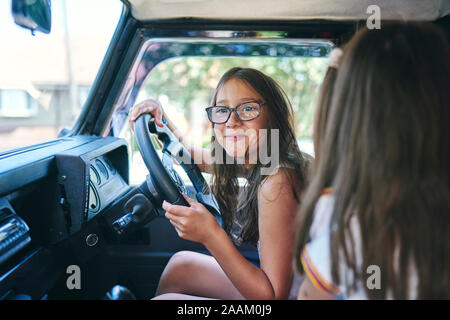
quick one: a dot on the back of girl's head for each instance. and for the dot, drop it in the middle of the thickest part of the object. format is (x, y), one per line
(386, 153)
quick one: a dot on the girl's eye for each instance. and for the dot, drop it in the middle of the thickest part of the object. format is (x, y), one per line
(248, 108)
(221, 110)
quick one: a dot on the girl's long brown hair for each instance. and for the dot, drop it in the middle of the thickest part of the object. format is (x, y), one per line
(225, 176)
(386, 154)
(323, 108)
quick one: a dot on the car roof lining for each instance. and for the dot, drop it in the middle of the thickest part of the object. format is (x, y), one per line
(341, 10)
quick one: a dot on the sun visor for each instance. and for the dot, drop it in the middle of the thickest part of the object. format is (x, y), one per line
(428, 10)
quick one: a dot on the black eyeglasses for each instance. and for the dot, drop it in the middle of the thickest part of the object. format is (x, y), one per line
(245, 111)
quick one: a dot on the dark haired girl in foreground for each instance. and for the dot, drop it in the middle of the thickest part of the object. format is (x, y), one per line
(379, 198)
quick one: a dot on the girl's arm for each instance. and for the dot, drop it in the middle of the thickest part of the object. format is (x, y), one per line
(309, 292)
(201, 156)
(277, 210)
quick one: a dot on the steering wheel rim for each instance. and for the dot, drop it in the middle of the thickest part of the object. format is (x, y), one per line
(163, 182)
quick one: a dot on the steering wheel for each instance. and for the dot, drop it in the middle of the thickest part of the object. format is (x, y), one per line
(163, 181)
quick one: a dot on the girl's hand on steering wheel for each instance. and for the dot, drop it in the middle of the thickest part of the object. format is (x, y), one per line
(194, 223)
(151, 106)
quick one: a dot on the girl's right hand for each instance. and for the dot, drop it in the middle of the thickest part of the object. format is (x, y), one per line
(151, 106)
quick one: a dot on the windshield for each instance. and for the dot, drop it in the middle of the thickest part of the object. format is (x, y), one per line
(184, 86)
(45, 79)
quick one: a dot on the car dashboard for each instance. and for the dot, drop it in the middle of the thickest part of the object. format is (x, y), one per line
(57, 206)
(90, 177)
(105, 185)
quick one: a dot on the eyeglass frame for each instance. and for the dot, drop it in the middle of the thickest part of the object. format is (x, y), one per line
(260, 103)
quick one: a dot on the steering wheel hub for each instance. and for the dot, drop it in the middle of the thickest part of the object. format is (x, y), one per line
(177, 179)
(166, 181)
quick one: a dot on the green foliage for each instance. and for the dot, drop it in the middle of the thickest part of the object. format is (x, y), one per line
(189, 82)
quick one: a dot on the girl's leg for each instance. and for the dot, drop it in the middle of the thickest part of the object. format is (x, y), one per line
(179, 296)
(196, 274)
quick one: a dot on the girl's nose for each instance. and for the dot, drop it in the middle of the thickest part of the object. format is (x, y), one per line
(233, 120)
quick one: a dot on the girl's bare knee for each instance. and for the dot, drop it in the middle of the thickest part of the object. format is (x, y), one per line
(176, 273)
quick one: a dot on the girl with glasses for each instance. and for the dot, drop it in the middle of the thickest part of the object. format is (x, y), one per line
(261, 213)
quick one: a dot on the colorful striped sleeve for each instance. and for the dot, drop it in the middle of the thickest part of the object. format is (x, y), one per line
(327, 192)
(318, 278)
(316, 256)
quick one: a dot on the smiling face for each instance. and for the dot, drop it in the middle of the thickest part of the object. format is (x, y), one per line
(239, 137)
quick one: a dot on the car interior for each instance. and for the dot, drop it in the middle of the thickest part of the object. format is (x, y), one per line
(69, 201)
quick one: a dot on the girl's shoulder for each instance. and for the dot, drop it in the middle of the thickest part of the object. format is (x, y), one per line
(275, 183)
(282, 179)
(303, 164)
(322, 213)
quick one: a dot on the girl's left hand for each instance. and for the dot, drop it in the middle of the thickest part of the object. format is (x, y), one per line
(194, 223)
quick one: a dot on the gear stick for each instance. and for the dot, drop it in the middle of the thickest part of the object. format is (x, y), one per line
(119, 293)
(138, 208)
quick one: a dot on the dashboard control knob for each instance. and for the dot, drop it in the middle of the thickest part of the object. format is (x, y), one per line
(92, 240)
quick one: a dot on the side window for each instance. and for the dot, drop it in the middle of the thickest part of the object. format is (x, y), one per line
(184, 86)
(17, 103)
(45, 78)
